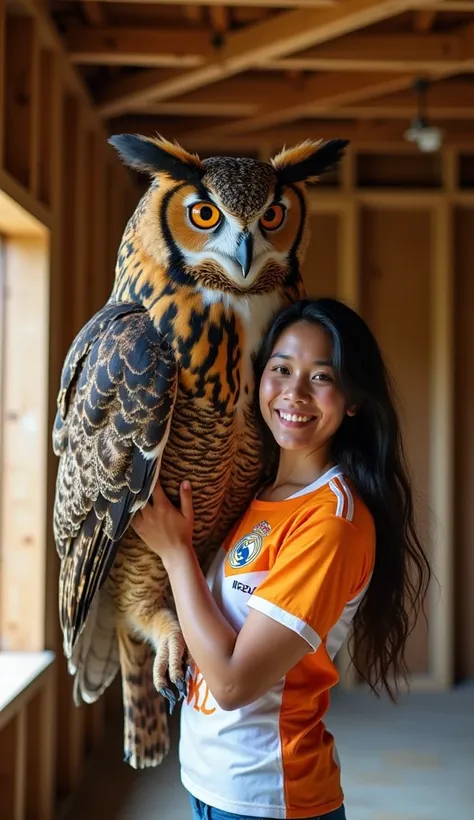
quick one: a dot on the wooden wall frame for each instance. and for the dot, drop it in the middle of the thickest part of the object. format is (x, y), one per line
(347, 203)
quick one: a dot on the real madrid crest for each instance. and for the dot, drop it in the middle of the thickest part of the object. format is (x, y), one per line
(248, 548)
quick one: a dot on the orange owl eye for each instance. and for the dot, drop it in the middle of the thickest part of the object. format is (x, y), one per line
(273, 217)
(204, 215)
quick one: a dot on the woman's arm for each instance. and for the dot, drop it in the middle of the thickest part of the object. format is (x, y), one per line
(238, 668)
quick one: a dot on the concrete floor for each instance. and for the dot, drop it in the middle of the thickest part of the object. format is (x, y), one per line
(414, 761)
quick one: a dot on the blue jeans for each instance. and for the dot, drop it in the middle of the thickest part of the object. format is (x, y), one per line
(201, 811)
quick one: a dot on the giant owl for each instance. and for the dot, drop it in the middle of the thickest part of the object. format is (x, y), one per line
(160, 381)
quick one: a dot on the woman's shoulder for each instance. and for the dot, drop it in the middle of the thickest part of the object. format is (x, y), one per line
(339, 505)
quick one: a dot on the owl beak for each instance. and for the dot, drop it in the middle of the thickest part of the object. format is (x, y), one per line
(243, 253)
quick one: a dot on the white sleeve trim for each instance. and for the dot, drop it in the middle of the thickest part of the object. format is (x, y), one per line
(291, 621)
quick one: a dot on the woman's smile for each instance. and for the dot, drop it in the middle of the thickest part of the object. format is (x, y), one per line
(294, 420)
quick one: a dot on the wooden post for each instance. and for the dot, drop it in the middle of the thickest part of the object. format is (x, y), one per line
(440, 636)
(23, 501)
(21, 100)
(2, 81)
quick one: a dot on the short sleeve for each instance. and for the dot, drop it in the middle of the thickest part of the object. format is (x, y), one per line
(319, 569)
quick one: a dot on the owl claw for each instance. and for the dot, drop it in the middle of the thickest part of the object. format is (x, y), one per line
(181, 687)
(170, 697)
(168, 673)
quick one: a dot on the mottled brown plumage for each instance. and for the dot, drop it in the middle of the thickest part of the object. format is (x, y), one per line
(161, 381)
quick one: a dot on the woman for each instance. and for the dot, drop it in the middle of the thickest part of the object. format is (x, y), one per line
(328, 543)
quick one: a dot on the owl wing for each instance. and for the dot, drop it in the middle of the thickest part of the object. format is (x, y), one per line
(115, 404)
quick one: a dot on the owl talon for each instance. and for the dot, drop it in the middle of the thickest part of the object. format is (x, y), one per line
(181, 687)
(170, 696)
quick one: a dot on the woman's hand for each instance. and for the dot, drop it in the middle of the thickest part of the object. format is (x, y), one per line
(165, 529)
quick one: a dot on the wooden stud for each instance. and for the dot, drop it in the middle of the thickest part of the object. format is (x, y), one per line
(75, 205)
(450, 168)
(440, 615)
(46, 146)
(349, 291)
(94, 12)
(23, 525)
(21, 101)
(39, 781)
(424, 20)
(70, 736)
(219, 17)
(58, 319)
(12, 768)
(193, 13)
(94, 724)
(103, 267)
(2, 79)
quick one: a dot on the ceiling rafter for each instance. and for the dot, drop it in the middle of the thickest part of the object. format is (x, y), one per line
(447, 5)
(424, 20)
(358, 133)
(250, 3)
(331, 96)
(452, 100)
(94, 12)
(158, 46)
(278, 37)
(320, 95)
(353, 52)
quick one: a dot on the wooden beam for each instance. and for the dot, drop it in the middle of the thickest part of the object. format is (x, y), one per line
(139, 46)
(282, 35)
(94, 12)
(377, 52)
(320, 95)
(206, 108)
(451, 6)
(250, 92)
(367, 134)
(325, 93)
(424, 19)
(219, 17)
(180, 46)
(252, 3)
(446, 100)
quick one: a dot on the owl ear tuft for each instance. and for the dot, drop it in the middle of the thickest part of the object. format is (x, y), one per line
(308, 160)
(155, 155)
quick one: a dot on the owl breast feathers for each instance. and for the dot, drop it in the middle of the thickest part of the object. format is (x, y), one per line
(160, 382)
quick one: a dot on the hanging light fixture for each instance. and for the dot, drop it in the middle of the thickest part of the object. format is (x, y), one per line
(428, 138)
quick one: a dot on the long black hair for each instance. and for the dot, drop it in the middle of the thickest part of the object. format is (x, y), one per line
(369, 448)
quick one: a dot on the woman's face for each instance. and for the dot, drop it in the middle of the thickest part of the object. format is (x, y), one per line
(299, 398)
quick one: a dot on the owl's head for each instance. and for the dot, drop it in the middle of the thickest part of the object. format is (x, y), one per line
(229, 223)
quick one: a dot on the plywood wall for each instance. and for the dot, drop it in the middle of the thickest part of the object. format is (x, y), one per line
(396, 290)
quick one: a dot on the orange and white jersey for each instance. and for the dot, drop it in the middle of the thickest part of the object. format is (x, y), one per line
(305, 562)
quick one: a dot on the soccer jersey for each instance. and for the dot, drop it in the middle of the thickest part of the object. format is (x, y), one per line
(305, 562)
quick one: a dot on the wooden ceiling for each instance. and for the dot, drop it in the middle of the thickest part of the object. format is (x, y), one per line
(253, 74)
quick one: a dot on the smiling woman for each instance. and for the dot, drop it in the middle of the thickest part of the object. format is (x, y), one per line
(329, 542)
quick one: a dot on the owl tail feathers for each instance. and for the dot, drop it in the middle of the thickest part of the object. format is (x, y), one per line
(95, 658)
(146, 736)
